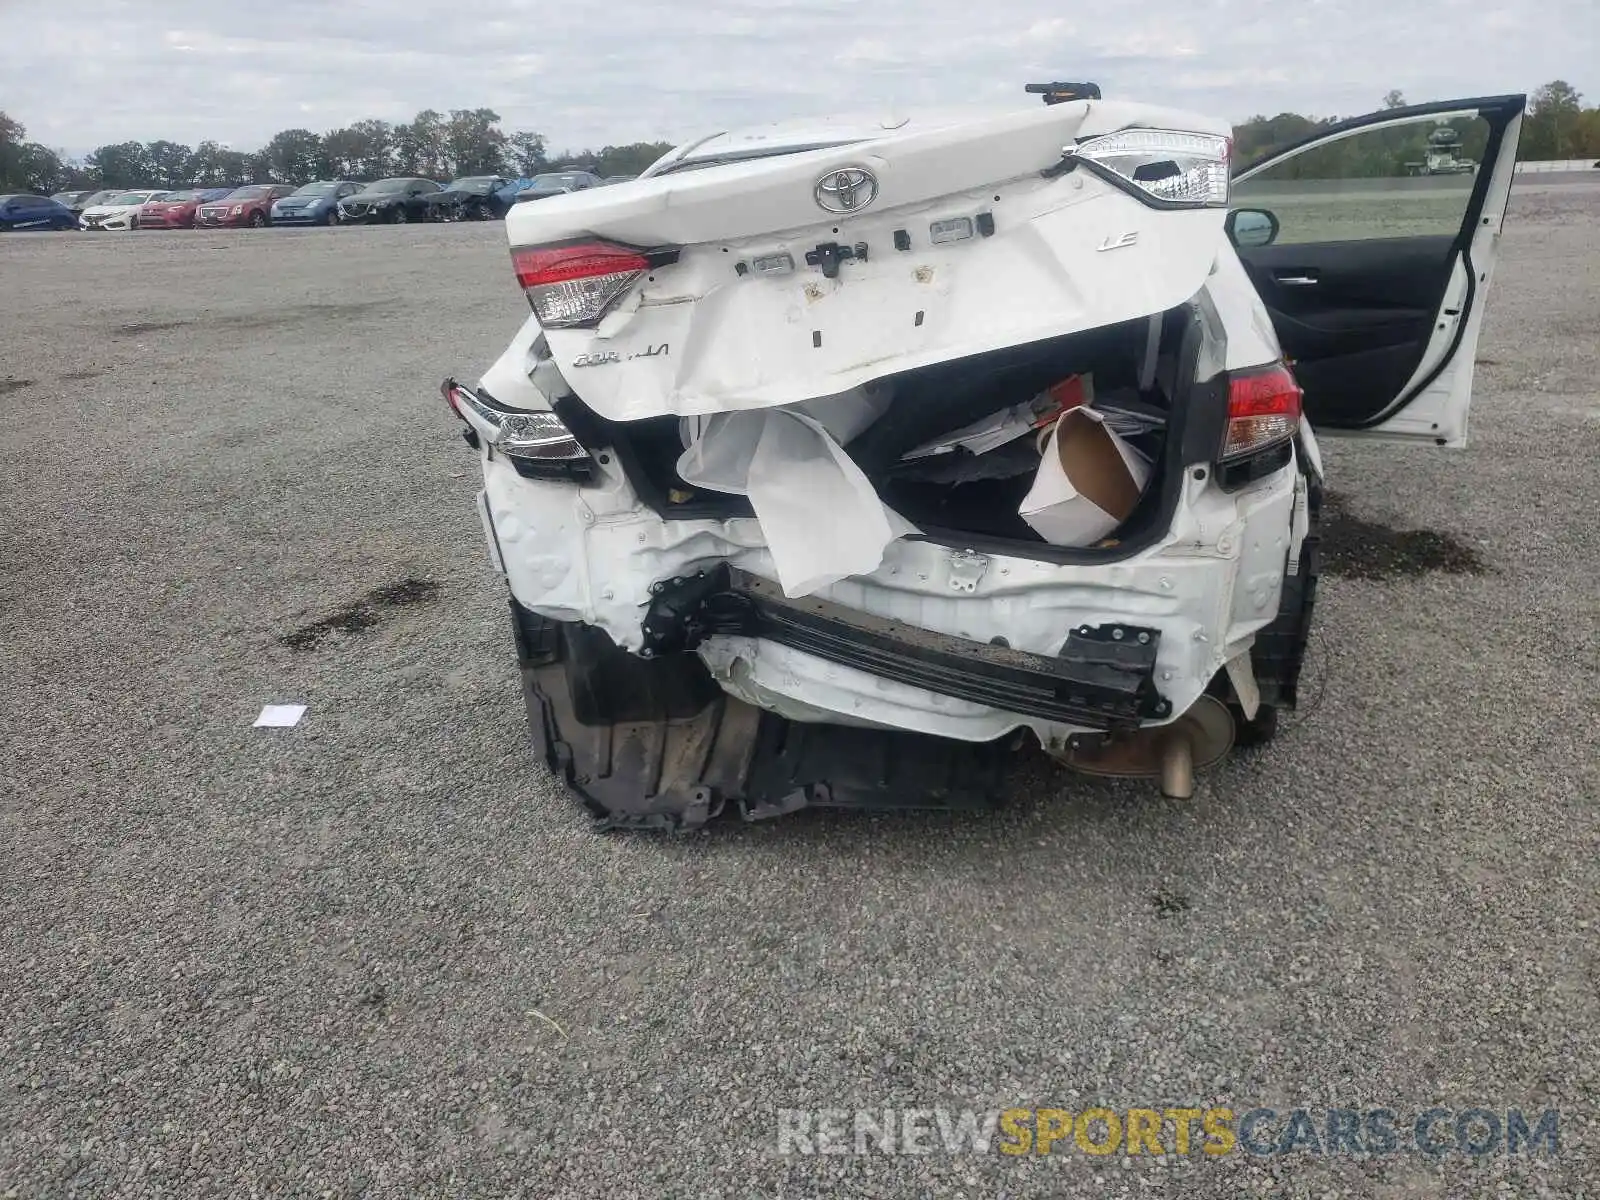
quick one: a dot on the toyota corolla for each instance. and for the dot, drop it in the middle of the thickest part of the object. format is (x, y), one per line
(834, 462)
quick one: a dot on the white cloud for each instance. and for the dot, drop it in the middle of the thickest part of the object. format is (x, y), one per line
(641, 69)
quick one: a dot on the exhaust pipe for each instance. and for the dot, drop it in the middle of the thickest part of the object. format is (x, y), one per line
(1177, 765)
(1170, 753)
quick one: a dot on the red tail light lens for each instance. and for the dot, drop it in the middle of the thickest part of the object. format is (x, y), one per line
(575, 284)
(1263, 410)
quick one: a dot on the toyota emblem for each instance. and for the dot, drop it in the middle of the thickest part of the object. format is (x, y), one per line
(847, 190)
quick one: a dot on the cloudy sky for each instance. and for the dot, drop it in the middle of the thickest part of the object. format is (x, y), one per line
(586, 73)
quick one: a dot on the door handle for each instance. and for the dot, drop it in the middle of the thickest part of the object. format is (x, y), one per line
(1296, 280)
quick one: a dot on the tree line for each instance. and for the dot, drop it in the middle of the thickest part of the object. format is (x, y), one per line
(469, 141)
(466, 141)
(1556, 126)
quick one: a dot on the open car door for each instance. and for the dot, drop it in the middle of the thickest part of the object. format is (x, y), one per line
(1372, 244)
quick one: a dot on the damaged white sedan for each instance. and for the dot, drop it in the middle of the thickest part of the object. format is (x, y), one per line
(836, 460)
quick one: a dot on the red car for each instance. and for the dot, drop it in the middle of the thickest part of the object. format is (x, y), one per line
(250, 205)
(176, 211)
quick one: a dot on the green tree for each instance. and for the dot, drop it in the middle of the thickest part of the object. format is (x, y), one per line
(13, 136)
(293, 156)
(525, 154)
(474, 143)
(1394, 98)
(1260, 135)
(215, 165)
(420, 146)
(372, 154)
(27, 166)
(170, 163)
(31, 167)
(341, 149)
(122, 165)
(1554, 125)
(630, 159)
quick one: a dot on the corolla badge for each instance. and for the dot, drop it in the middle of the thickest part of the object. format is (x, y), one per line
(849, 189)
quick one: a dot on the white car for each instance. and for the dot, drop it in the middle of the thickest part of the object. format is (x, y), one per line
(119, 212)
(836, 462)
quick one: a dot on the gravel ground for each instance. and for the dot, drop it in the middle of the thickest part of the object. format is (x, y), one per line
(380, 954)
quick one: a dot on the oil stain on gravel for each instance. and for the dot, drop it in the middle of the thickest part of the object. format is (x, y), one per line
(360, 615)
(135, 328)
(1356, 548)
(1169, 904)
(7, 386)
(279, 315)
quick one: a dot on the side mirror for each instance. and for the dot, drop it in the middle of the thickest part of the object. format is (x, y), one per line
(1252, 227)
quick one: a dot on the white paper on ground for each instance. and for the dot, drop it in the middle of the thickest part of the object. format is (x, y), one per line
(279, 716)
(820, 516)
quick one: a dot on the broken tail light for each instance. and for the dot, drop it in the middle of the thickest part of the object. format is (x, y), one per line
(539, 444)
(574, 283)
(1263, 413)
(1166, 168)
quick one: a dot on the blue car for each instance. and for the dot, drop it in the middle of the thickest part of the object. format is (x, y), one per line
(35, 212)
(315, 204)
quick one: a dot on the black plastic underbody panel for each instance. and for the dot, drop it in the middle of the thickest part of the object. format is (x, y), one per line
(663, 770)
(1280, 649)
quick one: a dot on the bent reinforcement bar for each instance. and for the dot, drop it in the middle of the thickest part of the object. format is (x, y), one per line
(1104, 677)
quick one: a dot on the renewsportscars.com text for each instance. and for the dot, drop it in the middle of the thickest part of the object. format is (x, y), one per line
(1214, 1132)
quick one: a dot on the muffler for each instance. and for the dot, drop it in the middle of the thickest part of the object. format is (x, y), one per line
(1171, 753)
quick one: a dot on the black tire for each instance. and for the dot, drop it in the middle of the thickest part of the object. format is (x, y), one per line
(133, 223)
(257, 219)
(1248, 734)
(332, 218)
(401, 216)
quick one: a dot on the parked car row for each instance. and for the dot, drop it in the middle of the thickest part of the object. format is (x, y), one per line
(323, 202)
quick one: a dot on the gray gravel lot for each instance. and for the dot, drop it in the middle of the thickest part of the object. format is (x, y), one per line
(308, 962)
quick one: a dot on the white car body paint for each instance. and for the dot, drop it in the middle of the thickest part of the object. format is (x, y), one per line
(591, 554)
(746, 341)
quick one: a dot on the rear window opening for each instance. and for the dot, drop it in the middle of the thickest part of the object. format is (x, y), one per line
(957, 497)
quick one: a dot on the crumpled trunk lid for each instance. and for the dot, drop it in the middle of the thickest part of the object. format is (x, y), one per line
(1049, 254)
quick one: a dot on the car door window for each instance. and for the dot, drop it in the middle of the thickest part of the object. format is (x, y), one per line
(1411, 178)
(1370, 247)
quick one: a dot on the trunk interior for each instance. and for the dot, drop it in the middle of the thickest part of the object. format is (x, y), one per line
(958, 496)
